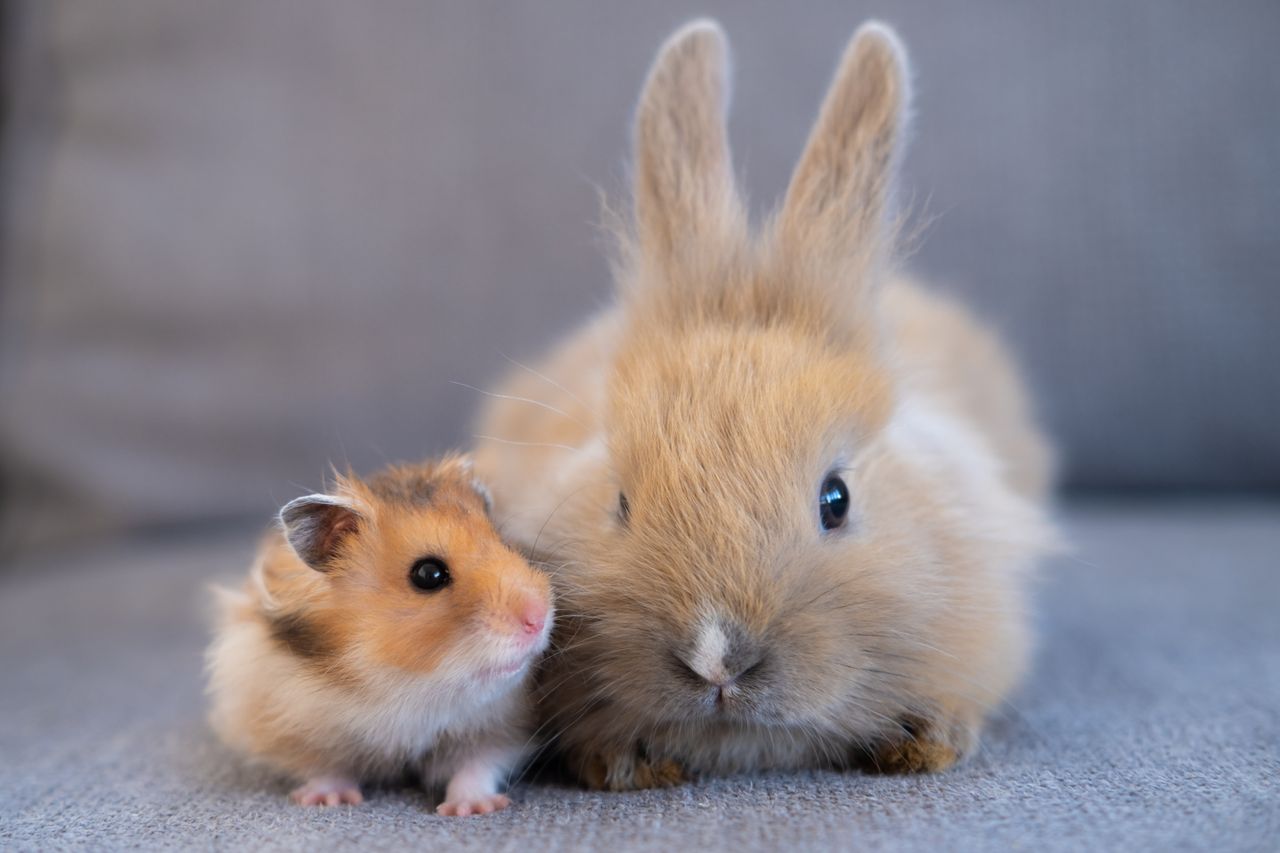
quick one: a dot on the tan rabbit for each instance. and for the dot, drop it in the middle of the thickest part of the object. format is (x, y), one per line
(790, 501)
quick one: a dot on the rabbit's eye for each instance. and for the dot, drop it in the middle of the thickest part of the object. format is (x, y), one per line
(624, 508)
(833, 503)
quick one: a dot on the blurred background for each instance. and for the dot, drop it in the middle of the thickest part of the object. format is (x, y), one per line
(244, 239)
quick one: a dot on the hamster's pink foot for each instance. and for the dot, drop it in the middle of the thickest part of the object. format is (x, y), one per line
(328, 791)
(466, 806)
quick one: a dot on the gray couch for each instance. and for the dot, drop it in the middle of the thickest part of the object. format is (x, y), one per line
(243, 239)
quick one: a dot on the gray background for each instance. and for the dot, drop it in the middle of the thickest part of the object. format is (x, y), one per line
(245, 239)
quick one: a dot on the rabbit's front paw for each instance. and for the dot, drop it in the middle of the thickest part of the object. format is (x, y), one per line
(629, 771)
(924, 747)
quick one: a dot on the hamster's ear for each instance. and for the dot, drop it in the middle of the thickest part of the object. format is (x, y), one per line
(463, 463)
(316, 526)
(467, 464)
(685, 198)
(835, 210)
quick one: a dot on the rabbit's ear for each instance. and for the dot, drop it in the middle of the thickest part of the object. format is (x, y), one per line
(835, 210)
(685, 199)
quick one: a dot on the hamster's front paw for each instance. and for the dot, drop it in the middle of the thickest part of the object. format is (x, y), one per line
(473, 805)
(924, 748)
(473, 788)
(629, 771)
(328, 791)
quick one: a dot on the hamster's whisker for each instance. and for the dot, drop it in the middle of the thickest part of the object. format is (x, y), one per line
(567, 498)
(551, 560)
(562, 649)
(592, 703)
(514, 398)
(549, 381)
(550, 688)
(515, 443)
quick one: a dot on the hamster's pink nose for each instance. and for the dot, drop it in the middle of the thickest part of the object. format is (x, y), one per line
(533, 616)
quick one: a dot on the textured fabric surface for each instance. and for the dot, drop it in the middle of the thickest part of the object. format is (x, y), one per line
(1152, 722)
(246, 238)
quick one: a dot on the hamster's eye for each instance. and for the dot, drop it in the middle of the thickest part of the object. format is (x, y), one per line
(624, 508)
(430, 574)
(833, 503)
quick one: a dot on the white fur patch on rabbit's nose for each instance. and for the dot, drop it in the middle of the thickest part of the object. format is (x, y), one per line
(709, 652)
(722, 653)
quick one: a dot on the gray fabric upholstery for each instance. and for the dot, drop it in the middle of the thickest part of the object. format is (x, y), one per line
(245, 238)
(1150, 722)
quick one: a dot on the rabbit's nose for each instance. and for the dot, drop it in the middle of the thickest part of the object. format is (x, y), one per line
(721, 654)
(722, 676)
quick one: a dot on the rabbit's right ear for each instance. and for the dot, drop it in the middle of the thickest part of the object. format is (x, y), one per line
(686, 203)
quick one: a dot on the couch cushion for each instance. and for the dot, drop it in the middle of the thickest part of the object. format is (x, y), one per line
(248, 238)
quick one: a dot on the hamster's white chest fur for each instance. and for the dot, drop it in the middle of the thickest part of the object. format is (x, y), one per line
(377, 725)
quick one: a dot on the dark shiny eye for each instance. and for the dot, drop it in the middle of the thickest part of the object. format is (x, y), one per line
(430, 574)
(624, 508)
(833, 503)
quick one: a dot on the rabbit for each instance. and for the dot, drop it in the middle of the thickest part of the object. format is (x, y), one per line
(790, 500)
(384, 627)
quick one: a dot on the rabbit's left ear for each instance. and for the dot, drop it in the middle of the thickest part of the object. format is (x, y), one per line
(835, 210)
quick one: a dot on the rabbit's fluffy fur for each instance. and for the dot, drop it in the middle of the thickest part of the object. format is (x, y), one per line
(709, 624)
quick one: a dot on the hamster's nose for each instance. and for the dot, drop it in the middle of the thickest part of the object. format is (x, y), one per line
(532, 615)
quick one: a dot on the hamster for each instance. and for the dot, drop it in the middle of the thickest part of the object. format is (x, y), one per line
(384, 628)
(791, 501)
